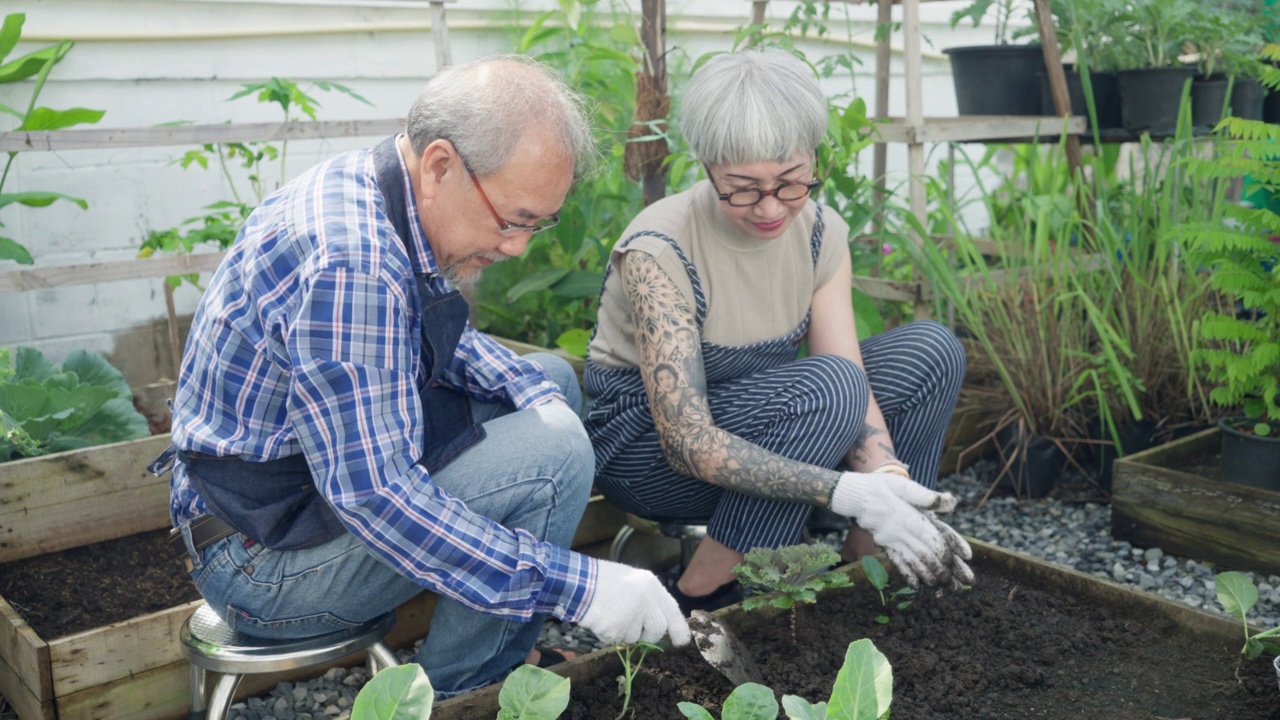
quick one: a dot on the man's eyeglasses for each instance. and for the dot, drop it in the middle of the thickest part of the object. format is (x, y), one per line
(510, 228)
(786, 192)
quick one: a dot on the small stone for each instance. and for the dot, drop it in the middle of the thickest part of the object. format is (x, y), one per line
(335, 674)
(1193, 601)
(280, 706)
(299, 695)
(320, 698)
(332, 711)
(1153, 555)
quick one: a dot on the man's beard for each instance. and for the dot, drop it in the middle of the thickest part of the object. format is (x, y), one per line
(452, 271)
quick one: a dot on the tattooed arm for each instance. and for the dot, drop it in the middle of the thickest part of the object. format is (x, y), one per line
(672, 370)
(832, 332)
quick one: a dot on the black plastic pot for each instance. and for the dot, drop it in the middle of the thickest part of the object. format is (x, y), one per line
(1106, 97)
(1208, 100)
(1246, 99)
(1249, 459)
(1271, 107)
(1134, 437)
(997, 79)
(1036, 466)
(1149, 98)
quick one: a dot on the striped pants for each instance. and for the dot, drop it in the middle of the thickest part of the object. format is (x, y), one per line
(810, 410)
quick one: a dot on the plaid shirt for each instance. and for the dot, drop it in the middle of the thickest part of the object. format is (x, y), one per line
(308, 341)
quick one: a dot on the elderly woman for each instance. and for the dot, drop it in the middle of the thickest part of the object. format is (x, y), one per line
(700, 409)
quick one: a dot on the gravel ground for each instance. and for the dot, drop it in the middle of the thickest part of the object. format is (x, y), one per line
(1066, 529)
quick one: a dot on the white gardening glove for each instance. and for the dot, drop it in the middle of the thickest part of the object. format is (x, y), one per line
(899, 514)
(631, 604)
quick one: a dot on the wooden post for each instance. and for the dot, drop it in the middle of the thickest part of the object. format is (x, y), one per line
(1057, 79)
(757, 11)
(884, 59)
(915, 118)
(440, 34)
(653, 31)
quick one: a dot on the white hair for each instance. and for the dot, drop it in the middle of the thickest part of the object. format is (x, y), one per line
(485, 106)
(752, 106)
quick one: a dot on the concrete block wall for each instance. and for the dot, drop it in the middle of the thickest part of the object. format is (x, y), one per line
(148, 62)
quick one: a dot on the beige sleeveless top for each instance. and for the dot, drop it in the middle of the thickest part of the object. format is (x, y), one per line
(755, 289)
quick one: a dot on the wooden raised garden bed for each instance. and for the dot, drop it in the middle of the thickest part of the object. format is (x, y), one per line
(1173, 498)
(131, 669)
(1029, 640)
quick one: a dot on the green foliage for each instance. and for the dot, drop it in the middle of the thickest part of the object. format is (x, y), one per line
(44, 409)
(222, 223)
(1226, 37)
(863, 690)
(1237, 594)
(878, 576)
(533, 693)
(548, 296)
(1242, 357)
(978, 9)
(37, 64)
(1150, 34)
(791, 574)
(397, 693)
(631, 663)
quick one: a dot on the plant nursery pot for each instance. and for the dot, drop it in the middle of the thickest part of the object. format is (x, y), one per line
(1208, 100)
(1150, 97)
(1036, 467)
(1246, 99)
(1271, 107)
(997, 79)
(1106, 97)
(1134, 437)
(1249, 459)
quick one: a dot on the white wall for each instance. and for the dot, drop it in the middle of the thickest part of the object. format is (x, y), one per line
(148, 62)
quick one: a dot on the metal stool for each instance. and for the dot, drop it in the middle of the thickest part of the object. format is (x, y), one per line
(689, 536)
(225, 655)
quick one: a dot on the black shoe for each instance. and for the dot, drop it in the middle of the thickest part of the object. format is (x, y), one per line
(727, 594)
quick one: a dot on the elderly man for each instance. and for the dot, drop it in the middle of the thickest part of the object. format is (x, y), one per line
(342, 439)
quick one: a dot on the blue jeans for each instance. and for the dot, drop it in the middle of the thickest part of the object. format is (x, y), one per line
(533, 470)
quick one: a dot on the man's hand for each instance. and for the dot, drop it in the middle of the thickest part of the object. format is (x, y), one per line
(899, 514)
(630, 604)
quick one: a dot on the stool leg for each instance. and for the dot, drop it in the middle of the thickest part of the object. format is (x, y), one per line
(620, 542)
(224, 689)
(199, 689)
(380, 658)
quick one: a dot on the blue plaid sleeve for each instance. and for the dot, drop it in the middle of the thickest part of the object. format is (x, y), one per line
(485, 369)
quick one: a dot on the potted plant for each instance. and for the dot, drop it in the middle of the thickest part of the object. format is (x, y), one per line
(1242, 358)
(998, 79)
(1226, 45)
(1149, 37)
(1081, 27)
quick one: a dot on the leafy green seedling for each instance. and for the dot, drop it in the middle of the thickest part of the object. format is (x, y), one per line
(863, 691)
(533, 693)
(878, 576)
(789, 575)
(627, 653)
(1238, 595)
(397, 693)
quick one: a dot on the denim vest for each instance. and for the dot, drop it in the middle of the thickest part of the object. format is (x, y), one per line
(276, 502)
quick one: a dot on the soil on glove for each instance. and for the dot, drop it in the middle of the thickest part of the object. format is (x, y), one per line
(63, 593)
(1000, 650)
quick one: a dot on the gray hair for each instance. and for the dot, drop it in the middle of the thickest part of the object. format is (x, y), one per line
(753, 106)
(485, 106)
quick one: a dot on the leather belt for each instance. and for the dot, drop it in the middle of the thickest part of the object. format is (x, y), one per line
(205, 531)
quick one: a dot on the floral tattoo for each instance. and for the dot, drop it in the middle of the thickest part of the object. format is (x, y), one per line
(672, 371)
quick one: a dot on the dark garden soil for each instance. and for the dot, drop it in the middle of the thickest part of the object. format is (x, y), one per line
(63, 593)
(1002, 650)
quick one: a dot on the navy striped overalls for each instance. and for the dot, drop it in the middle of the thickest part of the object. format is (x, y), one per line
(809, 410)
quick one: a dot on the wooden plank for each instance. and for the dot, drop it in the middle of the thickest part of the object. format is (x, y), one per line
(1156, 502)
(25, 657)
(969, 128)
(91, 138)
(111, 271)
(882, 289)
(120, 650)
(80, 497)
(20, 698)
(158, 694)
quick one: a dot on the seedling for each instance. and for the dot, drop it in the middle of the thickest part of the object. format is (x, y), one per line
(1238, 595)
(863, 691)
(879, 579)
(404, 693)
(626, 653)
(789, 575)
